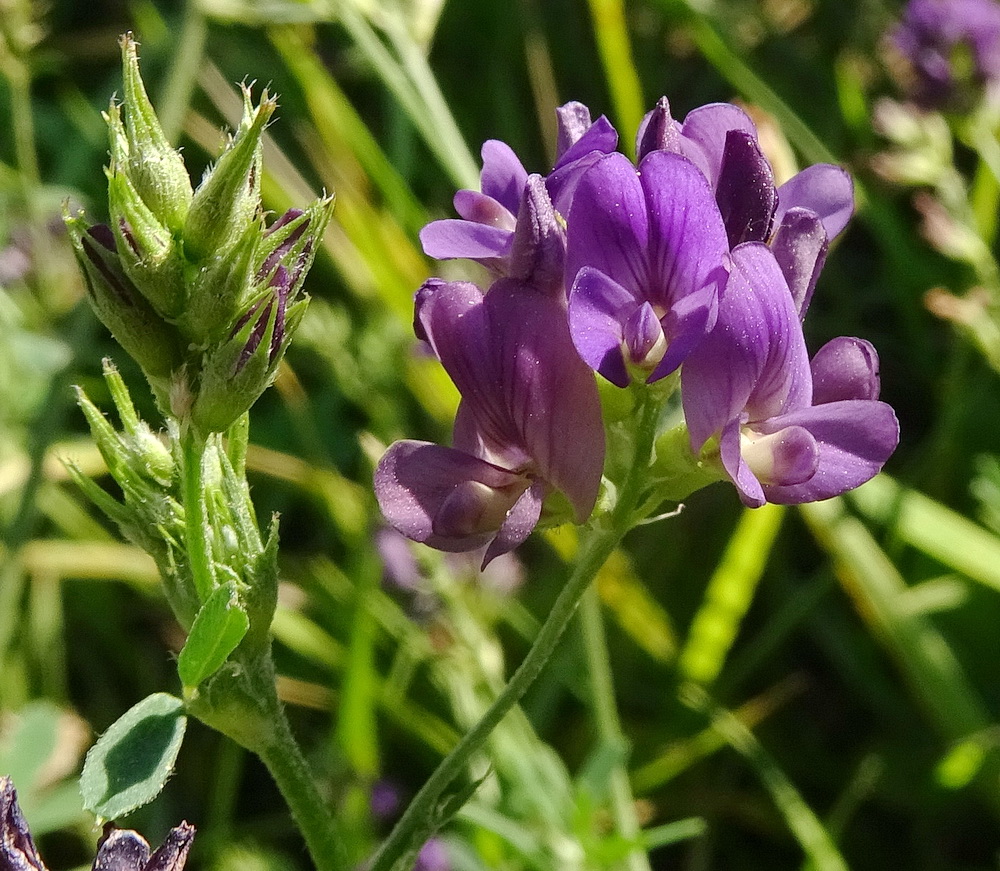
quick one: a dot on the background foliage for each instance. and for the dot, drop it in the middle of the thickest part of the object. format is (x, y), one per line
(799, 686)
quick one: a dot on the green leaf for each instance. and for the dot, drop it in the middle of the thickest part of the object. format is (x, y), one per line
(131, 762)
(219, 627)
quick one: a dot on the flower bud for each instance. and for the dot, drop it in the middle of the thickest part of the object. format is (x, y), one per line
(155, 169)
(120, 307)
(228, 199)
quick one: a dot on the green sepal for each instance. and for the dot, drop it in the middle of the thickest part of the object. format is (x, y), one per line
(123, 310)
(217, 630)
(130, 763)
(147, 252)
(228, 199)
(301, 251)
(220, 289)
(677, 472)
(154, 167)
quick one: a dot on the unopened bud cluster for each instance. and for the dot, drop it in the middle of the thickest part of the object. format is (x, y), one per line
(192, 282)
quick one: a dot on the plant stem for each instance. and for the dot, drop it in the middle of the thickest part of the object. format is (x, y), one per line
(283, 758)
(609, 730)
(195, 519)
(423, 810)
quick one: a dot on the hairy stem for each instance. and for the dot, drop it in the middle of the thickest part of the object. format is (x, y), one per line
(195, 517)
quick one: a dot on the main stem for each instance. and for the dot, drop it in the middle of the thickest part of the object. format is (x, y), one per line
(195, 515)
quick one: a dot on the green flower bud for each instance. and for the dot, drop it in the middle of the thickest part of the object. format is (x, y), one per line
(228, 200)
(120, 307)
(148, 253)
(238, 370)
(154, 168)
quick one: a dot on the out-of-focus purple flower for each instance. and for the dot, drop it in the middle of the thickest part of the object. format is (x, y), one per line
(399, 565)
(787, 432)
(433, 856)
(949, 44)
(529, 421)
(385, 800)
(798, 219)
(645, 261)
(485, 231)
(118, 849)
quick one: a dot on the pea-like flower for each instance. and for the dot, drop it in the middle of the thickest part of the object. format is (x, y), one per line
(951, 47)
(645, 261)
(787, 431)
(485, 231)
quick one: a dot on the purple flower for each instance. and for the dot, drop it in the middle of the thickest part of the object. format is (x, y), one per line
(118, 849)
(529, 422)
(787, 432)
(433, 856)
(485, 231)
(798, 219)
(645, 260)
(948, 43)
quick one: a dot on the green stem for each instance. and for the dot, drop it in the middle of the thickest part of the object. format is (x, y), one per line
(310, 810)
(195, 517)
(600, 538)
(425, 805)
(609, 730)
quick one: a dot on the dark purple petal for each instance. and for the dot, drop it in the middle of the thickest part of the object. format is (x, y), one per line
(538, 253)
(521, 519)
(800, 246)
(703, 135)
(607, 224)
(451, 238)
(855, 438)
(17, 849)
(598, 311)
(503, 175)
(824, 189)
(481, 209)
(444, 497)
(685, 326)
(658, 131)
(745, 190)
(173, 852)
(121, 850)
(845, 368)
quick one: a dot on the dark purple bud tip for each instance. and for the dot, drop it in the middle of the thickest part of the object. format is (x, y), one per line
(257, 334)
(121, 850)
(172, 854)
(658, 131)
(746, 193)
(17, 849)
(279, 253)
(281, 283)
(102, 233)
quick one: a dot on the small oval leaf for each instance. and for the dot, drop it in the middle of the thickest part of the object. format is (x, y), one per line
(131, 762)
(219, 627)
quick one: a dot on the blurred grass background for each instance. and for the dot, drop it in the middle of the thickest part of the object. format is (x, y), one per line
(801, 688)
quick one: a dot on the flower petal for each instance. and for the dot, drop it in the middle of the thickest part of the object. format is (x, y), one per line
(416, 481)
(172, 854)
(745, 190)
(855, 438)
(658, 131)
(747, 485)
(607, 226)
(17, 848)
(703, 135)
(845, 368)
(521, 519)
(503, 174)
(451, 238)
(598, 310)
(538, 253)
(121, 850)
(800, 245)
(481, 209)
(824, 189)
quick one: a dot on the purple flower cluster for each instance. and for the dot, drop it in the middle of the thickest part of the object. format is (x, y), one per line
(693, 260)
(950, 46)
